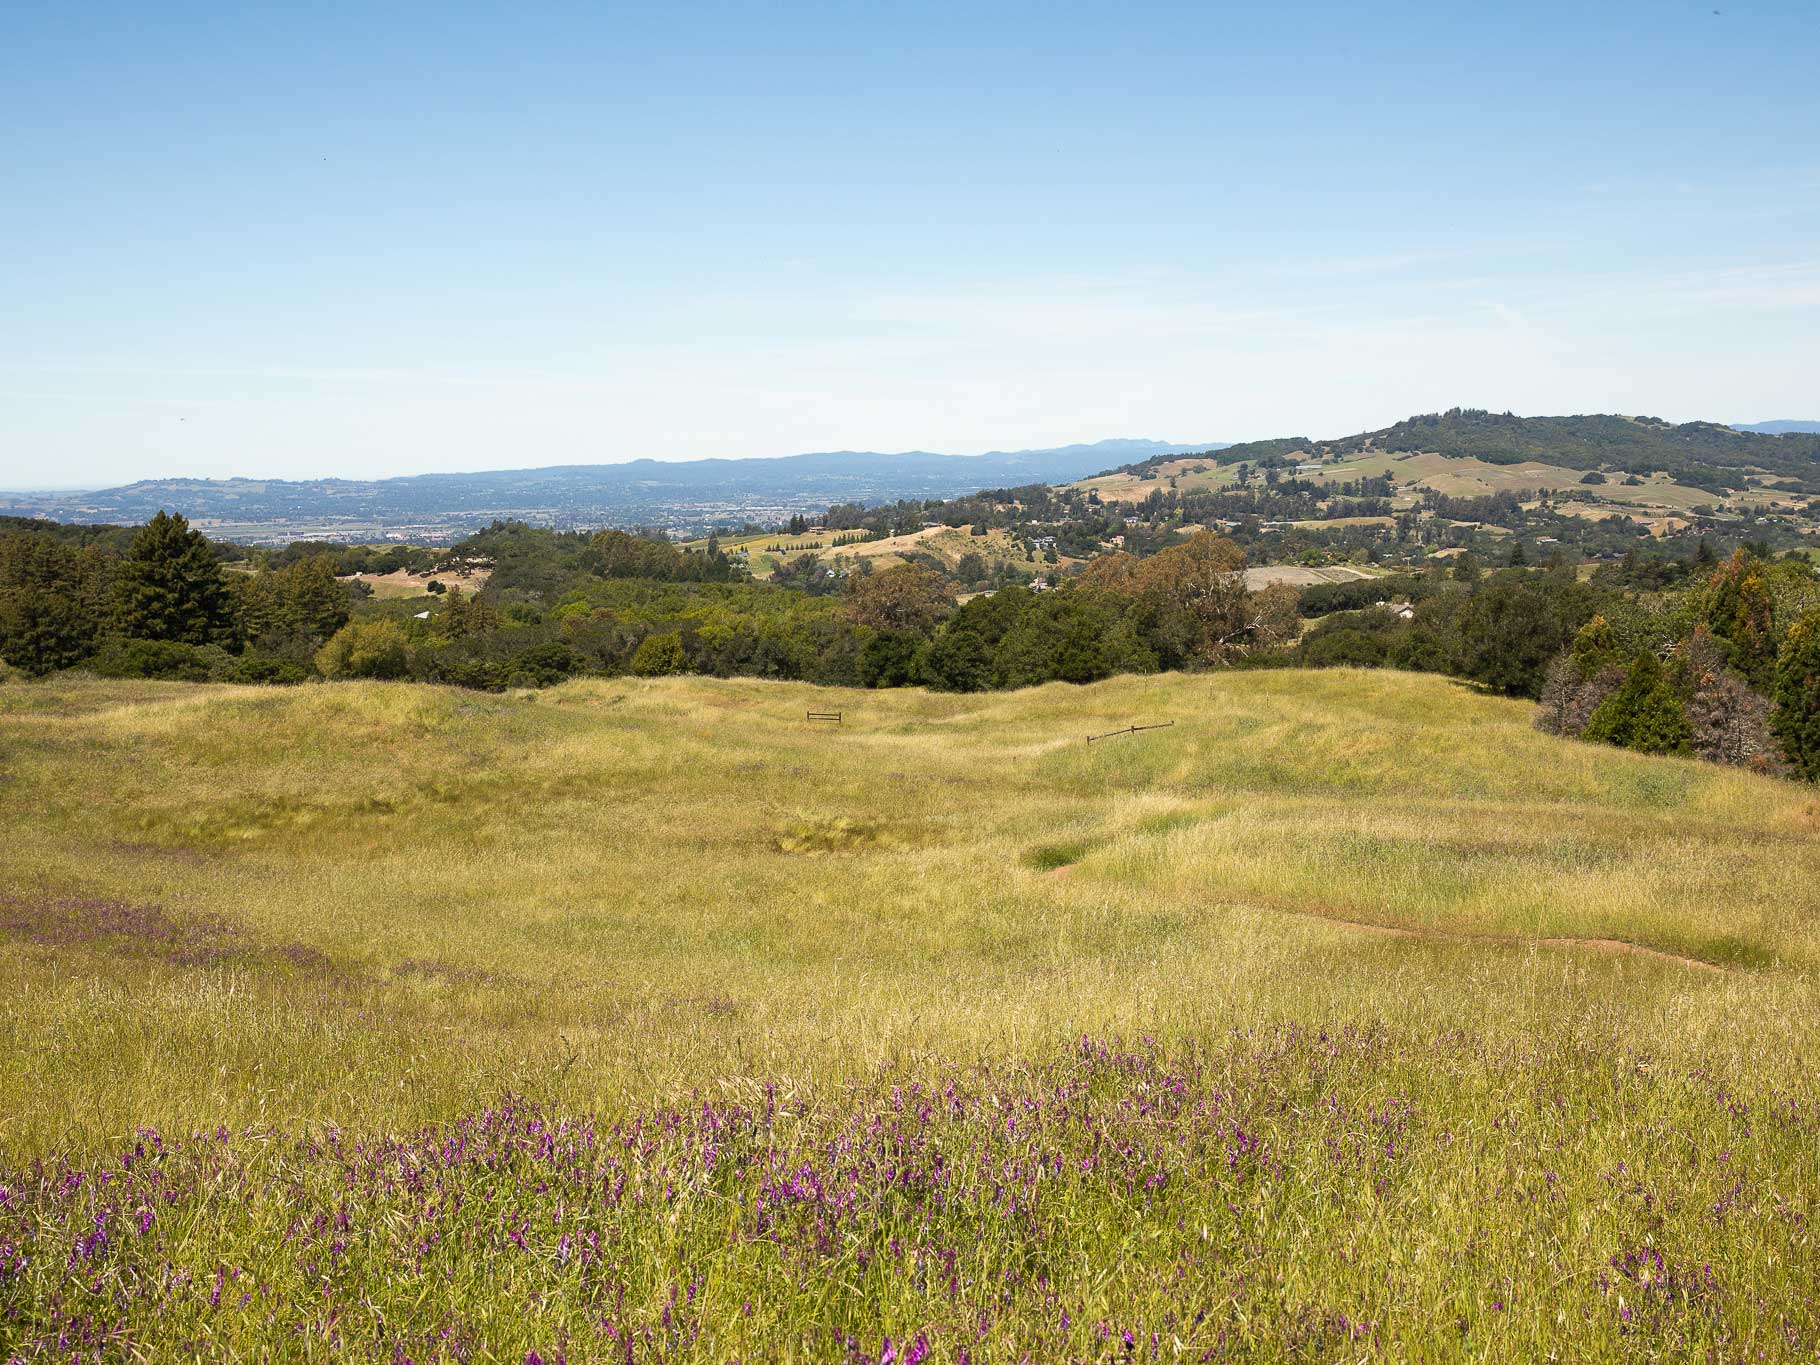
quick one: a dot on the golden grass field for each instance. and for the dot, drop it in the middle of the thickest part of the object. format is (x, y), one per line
(946, 543)
(1453, 475)
(594, 873)
(376, 906)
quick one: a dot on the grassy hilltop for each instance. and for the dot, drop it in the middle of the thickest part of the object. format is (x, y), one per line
(1348, 1015)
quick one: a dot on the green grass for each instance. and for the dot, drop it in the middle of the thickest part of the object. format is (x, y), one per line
(375, 907)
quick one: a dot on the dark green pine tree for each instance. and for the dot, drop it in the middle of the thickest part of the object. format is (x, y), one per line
(171, 587)
(1644, 714)
(1796, 719)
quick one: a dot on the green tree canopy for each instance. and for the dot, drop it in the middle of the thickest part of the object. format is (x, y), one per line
(366, 649)
(660, 655)
(1644, 714)
(908, 597)
(1796, 719)
(171, 586)
(303, 600)
(48, 618)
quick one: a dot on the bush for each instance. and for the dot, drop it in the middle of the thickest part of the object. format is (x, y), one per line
(1344, 648)
(164, 660)
(1573, 690)
(457, 668)
(541, 665)
(365, 649)
(659, 656)
(1730, 724)
(263, 668)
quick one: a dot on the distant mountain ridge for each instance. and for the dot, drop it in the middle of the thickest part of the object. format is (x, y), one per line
(688, 493)
(1782, 428)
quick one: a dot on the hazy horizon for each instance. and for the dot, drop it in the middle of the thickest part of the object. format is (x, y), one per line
(1209, 444)
(296, 243)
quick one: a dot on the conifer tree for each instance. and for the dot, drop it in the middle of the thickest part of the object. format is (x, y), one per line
(1796, 719)
(171, 586)
(1740, 611)
(1644, 714)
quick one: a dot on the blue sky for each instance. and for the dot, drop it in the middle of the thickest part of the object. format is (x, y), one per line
(296, 240)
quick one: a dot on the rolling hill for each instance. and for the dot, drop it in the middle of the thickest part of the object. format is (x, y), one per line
(1347, 1016)
(1700, 455)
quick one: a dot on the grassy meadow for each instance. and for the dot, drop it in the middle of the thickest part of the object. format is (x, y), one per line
(946, 543)
(1348, 1017)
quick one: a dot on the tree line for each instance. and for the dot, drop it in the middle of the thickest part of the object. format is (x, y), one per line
(1716, 659)
(1722, 665)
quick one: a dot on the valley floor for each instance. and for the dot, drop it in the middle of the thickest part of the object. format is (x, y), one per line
(1348, 1016)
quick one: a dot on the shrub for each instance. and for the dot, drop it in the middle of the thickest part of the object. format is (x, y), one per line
(165, 660)
(365, 649)
(457, 668)
(1570, 695)
(1344, 648)
(542, 665)
(263, 668)
(660, 655)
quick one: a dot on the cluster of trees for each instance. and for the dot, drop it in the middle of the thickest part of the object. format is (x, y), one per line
(1185, 606)
(1719, 659)
(1728, 670)
(1499, 630)
(354, 559)
(894, 627)
(1698, 454)
(1725, 667)
(160, 603)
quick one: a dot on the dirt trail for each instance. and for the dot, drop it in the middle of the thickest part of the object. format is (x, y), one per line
(1602, 945)
(1333, 916)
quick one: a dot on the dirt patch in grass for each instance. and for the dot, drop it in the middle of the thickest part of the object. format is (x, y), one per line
(1618, 945)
